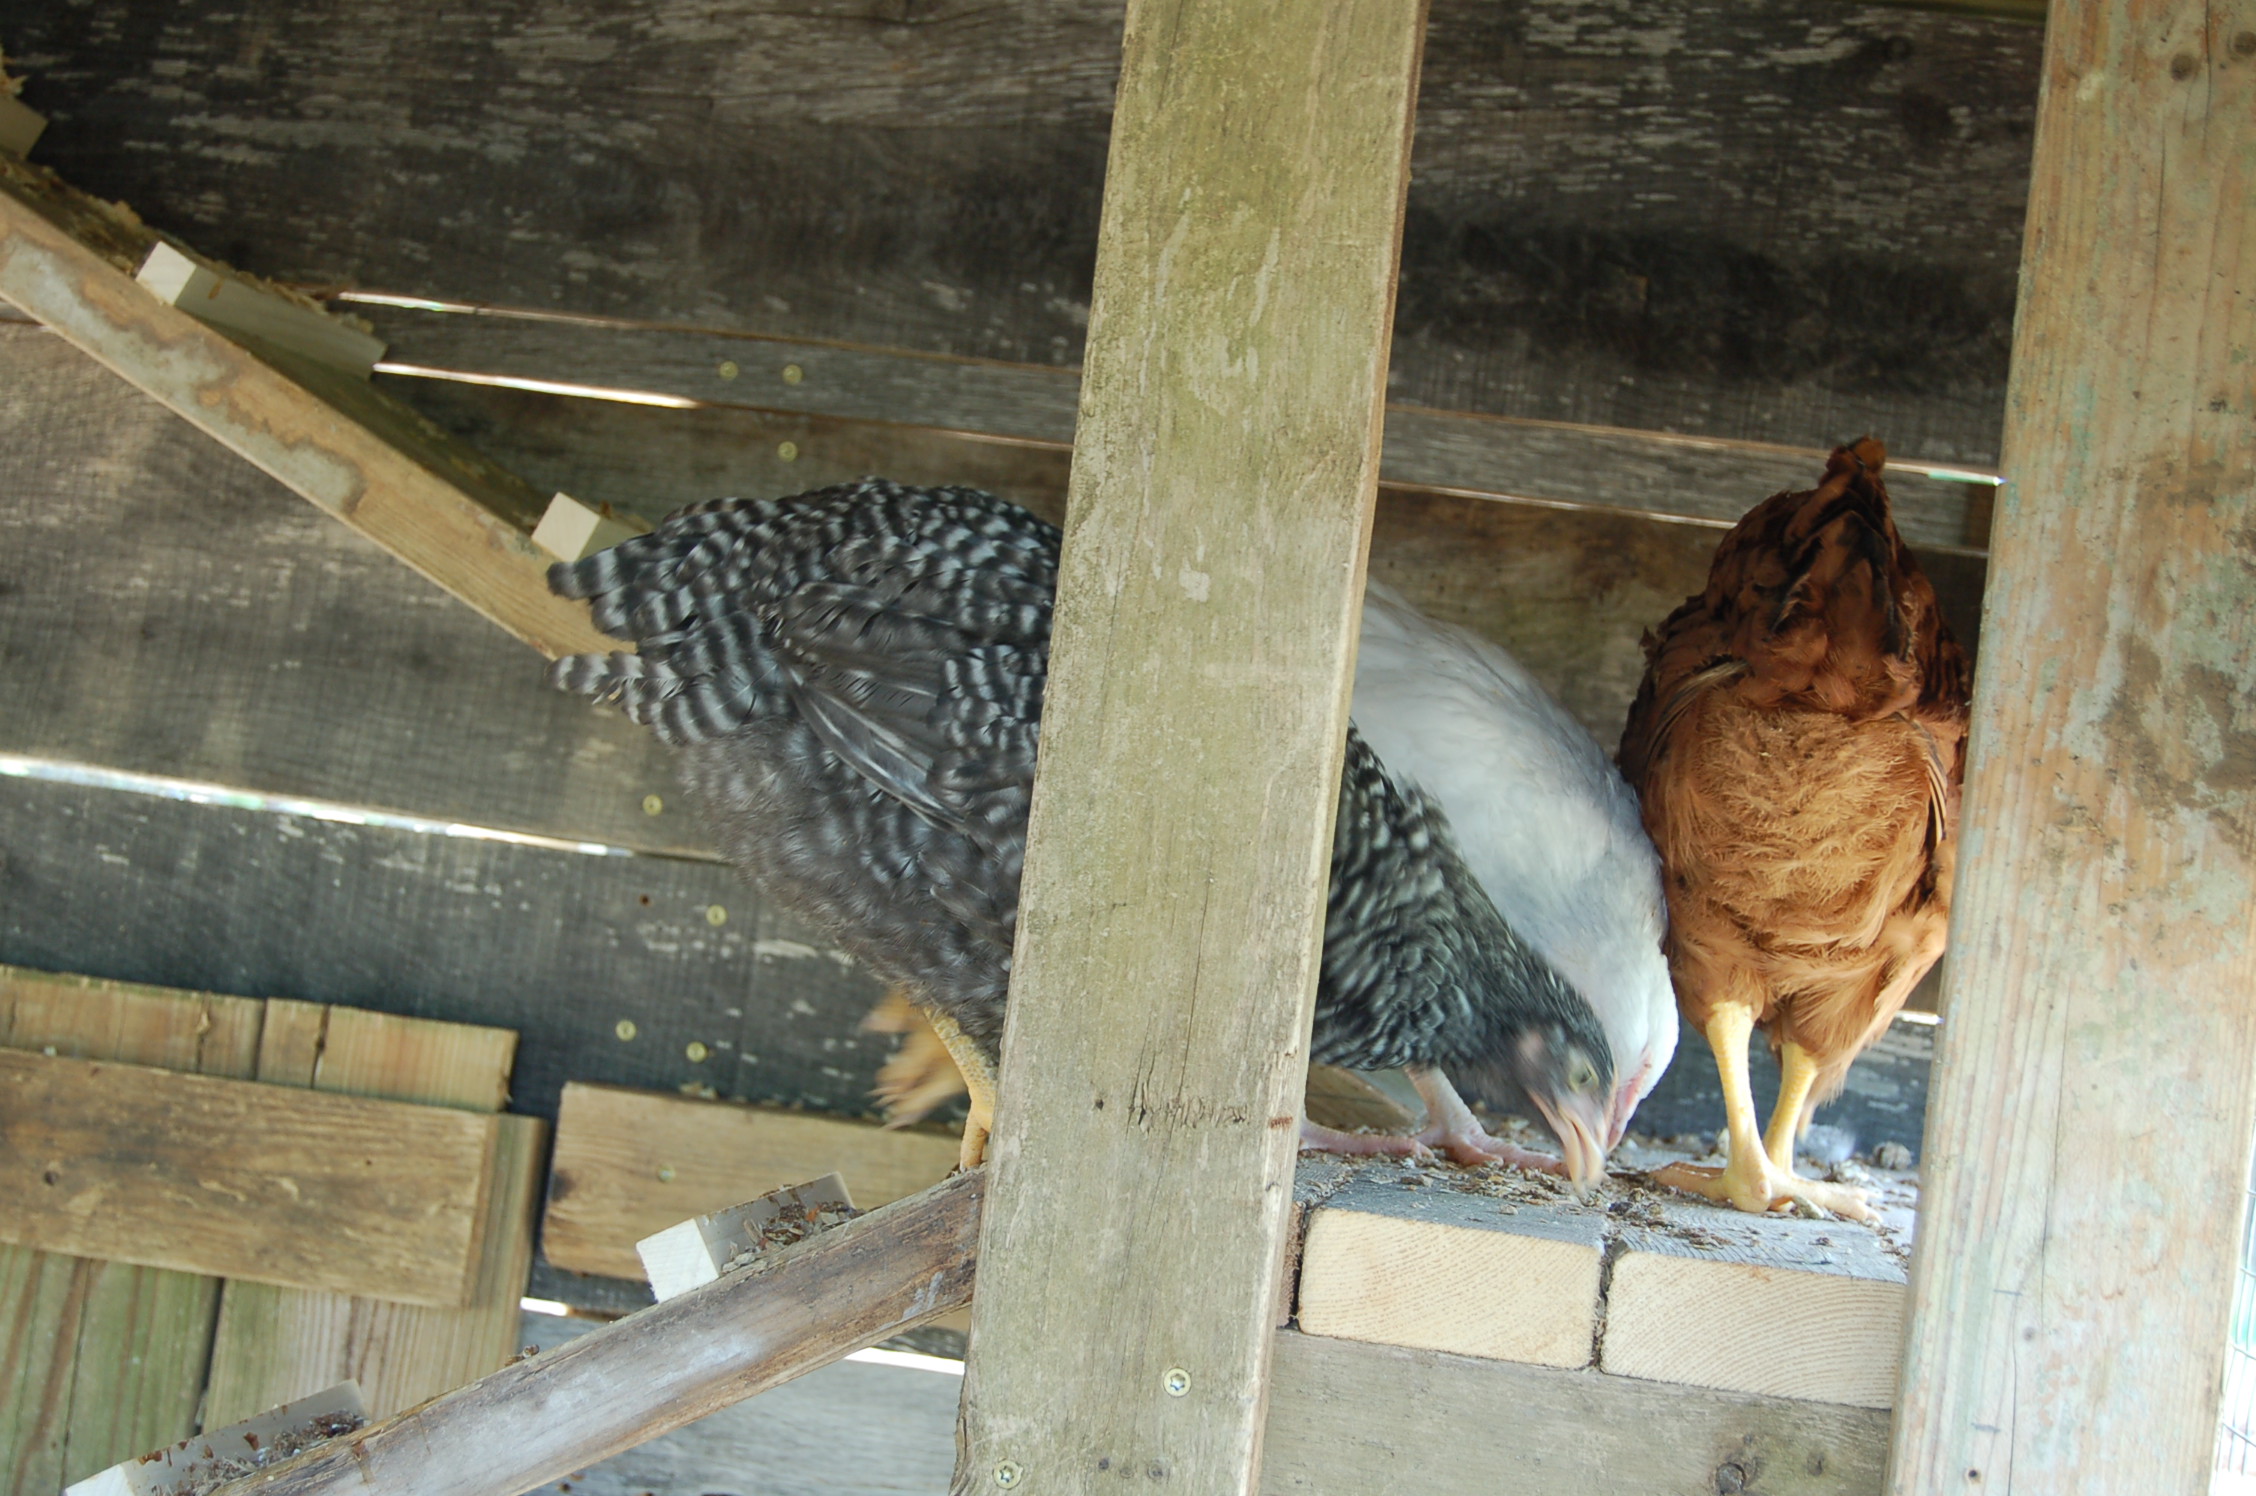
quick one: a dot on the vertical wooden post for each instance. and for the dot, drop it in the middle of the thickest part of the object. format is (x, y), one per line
(2089, 1132)
(1223, 479)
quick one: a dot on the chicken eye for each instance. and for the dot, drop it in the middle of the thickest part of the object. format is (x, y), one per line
(1583, 1076)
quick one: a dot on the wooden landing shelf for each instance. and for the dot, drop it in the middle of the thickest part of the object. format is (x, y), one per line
(69, 260)
(1638, 1283)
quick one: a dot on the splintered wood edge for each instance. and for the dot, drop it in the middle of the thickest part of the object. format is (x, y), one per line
(1471, 1290)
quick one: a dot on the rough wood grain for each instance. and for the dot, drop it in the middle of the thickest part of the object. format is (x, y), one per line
(1805, 1309)
(100, 1361)
(1224, 474)
(1437, 1270)
(275, 1344)
(560, 947)
(1347, 1419)
(1546, 462)
(633, 1380)
(2094, 1100)
(229, 1179)
(631, 1163)
(1745, 219)
(343, 446)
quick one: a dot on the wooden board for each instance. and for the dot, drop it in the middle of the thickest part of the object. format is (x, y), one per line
(1430, 1268)
(1806, 1309)
(359, 457)
(2096, 1087)
(546, 1415)
(276, 1344)
(1225, 470)
(101, 1361)
(232, 1179)
(1348, 1420)
(631, 1163)
(1745, 219)
(560, 947)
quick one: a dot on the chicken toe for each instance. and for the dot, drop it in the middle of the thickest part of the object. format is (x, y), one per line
(979, 1080)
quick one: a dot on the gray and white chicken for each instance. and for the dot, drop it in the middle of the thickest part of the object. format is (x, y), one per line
(853, 679)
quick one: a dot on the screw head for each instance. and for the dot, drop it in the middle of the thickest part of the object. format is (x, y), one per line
(697, 1052)
(788, 451)
(728, 369)
(624, 1028)
(1178, 1381)
(665, 1173)
(651, 805)
(1007, 1474)
(792, 373)
(715, 915)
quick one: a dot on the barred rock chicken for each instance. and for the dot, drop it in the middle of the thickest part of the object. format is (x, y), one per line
(854, 680)
(1797, 745)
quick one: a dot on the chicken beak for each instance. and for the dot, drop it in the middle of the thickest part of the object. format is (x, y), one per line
(1579, 1126)
(1618, 1115)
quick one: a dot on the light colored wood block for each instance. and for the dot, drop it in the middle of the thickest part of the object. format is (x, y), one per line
(197, 1464)
(629, 1164)
(236, 307)
(234, 1179)
(1441, 1270)
(1347, 1419)
(697, 1251)
(20, 125)
(1792, 1308)
(274, 1344)
(571, 530)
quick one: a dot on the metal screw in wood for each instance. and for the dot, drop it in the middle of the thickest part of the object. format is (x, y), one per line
(1178, 1381)
(792, 373)
(728, 369)
(1007, 1474)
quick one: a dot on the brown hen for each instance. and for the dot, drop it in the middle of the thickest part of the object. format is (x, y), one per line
(1797, 746)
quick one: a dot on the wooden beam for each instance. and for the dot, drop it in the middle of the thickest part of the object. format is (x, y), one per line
(1350, 1420)
(554, 1413)
(629, 1164)
(233, 1179)
(1225, 468)
(2095, 1087)
(347, 448)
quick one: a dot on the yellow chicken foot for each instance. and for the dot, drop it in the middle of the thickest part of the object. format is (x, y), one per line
(921, 1076)
(1798, 1071)
(979, 1080)
(1750, 1180)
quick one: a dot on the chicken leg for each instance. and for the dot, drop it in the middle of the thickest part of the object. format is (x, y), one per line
(1451, 1127)
(979, 1080)
(1755, 1178)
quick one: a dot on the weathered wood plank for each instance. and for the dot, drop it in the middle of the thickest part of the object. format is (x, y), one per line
(1703, 480)
(363, 459)
(557, 1412)
(630, 1163)
(204, 1175)
(1225, 470)
(561, 948)
(274, 1344)
(100, 1361)
(1744, 219)
(2096, 1088)
(1347, 1419)
(1439, 1270)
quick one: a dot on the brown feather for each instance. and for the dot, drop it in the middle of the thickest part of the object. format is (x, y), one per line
(1797, 744)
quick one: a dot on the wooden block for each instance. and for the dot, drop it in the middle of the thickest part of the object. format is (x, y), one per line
(629, 1164)
(1791, 1308)
(20, 125)
(698, 1251)
(218, 1455)
(571, 530)
(1438, 1269)
(1351, 1420)
(234, 1179)
(274, 1344)
(241, 309)
(101, 1360)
